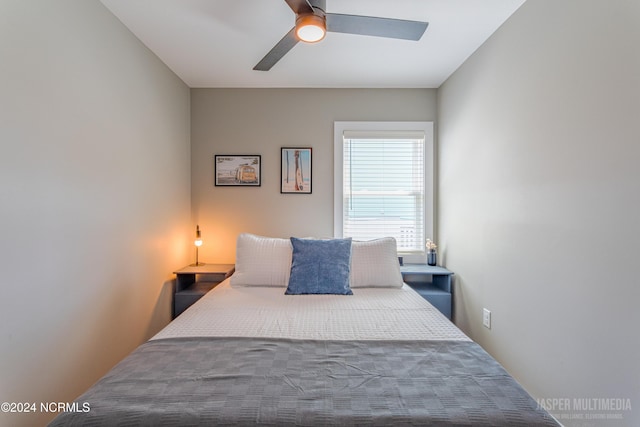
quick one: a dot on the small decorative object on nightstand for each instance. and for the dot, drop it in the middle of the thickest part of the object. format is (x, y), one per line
(193, 281)
(432, 255)
(432, 283)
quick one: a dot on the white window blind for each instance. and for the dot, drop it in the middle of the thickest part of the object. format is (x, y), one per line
(383, 187)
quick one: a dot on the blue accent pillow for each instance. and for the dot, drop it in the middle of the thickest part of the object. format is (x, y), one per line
(320, 267)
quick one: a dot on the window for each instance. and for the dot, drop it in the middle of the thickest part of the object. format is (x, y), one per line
(384, 183)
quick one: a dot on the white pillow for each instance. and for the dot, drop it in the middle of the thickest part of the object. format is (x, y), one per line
(374, 264)
(262, 261)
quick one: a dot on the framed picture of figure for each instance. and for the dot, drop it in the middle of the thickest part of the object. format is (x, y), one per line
(296, 170)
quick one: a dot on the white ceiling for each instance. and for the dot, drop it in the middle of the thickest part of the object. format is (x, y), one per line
(216, 43)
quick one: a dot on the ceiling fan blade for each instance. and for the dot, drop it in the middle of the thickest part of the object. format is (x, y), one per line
(279, 50)
(373, 26)
(300, 6)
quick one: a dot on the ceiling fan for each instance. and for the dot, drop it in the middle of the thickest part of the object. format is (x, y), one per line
(312, 23)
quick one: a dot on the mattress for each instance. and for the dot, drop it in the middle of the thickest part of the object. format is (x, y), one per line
(248, 355)
(265, 312)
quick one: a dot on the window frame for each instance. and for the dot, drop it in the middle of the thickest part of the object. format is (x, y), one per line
(429, 172)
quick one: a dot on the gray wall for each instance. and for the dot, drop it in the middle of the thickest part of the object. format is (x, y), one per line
(539, 197)
(260, 121)
(95, 197)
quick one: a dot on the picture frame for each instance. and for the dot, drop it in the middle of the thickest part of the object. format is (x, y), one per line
(237, 170)
(296, 170)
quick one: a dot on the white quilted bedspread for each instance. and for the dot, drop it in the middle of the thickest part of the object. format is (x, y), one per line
(265, 312)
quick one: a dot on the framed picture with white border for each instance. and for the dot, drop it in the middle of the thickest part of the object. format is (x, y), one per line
(237, 170)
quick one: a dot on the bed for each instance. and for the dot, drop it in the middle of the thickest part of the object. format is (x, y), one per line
(258, 350)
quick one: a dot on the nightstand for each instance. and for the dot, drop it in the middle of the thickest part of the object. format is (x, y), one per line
(192, 282)
(433, 283)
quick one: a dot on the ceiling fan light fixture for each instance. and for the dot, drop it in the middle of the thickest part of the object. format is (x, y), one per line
(311, 28)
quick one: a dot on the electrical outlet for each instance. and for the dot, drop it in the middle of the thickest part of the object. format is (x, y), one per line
(486, 318)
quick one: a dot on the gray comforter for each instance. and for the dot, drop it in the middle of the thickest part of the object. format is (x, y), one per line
(242, 381)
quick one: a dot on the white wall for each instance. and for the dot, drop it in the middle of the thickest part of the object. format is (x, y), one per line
(540, 198)
(260, 121)
(95, 197)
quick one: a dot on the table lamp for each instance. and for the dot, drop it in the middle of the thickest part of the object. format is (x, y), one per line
(198, 243)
